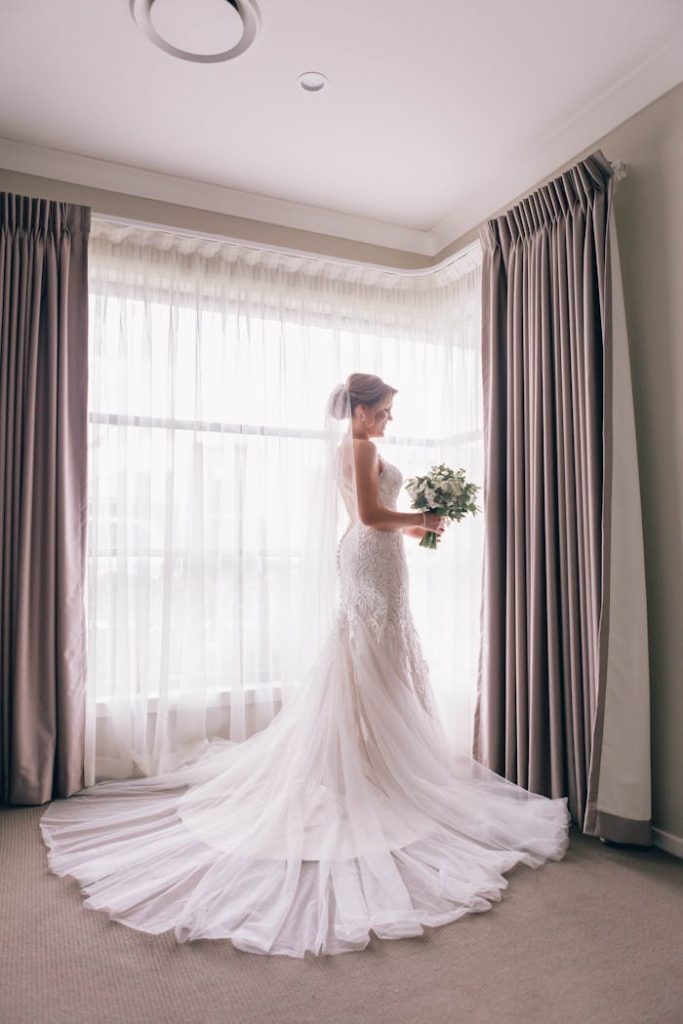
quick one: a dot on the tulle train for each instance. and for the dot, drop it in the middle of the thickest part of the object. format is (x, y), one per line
(347, 815)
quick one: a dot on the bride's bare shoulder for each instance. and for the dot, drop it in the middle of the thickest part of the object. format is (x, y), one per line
(365, 451)
(363, 445)
(366, 455)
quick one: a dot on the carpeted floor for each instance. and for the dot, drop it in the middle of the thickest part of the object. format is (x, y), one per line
(596, 937)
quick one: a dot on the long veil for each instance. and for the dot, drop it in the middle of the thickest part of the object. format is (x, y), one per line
(329, 512)
(287, 782)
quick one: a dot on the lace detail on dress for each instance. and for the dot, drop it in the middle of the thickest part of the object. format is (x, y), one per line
(374, 590)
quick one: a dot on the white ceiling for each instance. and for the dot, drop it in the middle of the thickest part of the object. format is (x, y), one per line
(436, 113)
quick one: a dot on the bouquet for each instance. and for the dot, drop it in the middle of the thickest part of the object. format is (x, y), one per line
(444, 491)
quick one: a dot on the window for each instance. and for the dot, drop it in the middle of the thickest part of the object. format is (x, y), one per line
(207, 384)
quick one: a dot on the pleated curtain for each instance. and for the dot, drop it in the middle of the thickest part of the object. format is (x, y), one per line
(562, 702)
(43, 496)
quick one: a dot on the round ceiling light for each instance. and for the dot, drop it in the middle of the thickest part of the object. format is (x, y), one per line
(312, 81)
(179, 28)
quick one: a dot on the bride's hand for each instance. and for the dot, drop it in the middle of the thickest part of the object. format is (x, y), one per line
(434, 523)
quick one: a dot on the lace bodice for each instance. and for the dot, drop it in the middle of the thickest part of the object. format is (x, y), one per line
(390, 480)
(374, 584)
(389, 485)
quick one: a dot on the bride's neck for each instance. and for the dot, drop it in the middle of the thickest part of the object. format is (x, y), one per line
(359, 434)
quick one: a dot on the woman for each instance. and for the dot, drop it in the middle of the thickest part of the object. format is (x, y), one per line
(349, 814)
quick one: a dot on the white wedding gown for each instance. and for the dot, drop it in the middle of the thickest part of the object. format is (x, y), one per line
(348, 814)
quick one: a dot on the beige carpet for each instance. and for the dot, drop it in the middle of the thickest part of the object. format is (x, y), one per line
(596, 937)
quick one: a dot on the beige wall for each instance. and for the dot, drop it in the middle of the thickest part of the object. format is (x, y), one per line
(649, 212)
(649, 216)
(155, 212)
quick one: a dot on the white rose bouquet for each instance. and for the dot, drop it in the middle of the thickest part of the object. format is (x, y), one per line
(444, 491)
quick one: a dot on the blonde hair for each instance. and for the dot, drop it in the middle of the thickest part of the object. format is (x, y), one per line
(359, 389)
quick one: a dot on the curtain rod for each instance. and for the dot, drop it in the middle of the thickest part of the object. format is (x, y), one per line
(619, 168)
(469, 250)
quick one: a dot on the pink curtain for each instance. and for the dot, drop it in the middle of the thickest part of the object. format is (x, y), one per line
(43, 497)
(563, 689)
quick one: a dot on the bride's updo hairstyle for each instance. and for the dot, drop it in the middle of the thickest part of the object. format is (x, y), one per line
(361, 389)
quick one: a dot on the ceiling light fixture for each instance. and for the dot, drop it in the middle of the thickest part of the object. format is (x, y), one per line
(247, 11)
(312, 81)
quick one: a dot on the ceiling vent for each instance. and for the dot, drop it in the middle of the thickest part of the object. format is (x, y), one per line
(186, 28)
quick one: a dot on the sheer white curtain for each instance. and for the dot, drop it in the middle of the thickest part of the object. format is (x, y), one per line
(209, 365)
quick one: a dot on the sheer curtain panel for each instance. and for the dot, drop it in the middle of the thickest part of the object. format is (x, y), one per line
(210, 363)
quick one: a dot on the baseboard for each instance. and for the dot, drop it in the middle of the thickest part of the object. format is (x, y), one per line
(665, 841)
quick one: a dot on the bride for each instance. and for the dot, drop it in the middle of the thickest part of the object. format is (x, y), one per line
(350, 813)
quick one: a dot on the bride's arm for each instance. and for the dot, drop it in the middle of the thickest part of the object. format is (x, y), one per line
(370, 511)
